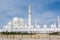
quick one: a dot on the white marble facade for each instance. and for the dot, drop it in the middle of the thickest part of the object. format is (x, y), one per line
(19, 24)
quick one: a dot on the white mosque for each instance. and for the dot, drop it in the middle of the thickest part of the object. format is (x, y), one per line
(19, 25)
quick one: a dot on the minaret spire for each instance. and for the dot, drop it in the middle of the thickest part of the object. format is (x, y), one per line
(35, 22)
(29, 14)
(29, 8)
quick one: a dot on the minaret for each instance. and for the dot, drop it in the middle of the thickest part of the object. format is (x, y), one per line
(29, 15)
(58, 21)
(35, 23)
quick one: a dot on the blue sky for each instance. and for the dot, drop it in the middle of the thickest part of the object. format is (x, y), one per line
(46, 11)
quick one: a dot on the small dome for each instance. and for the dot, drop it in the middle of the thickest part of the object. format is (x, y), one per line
(55, 25)
(52, 25)
(45, 26)
(38, 26)
(9, 23)
(21, 20)
(15, 19)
